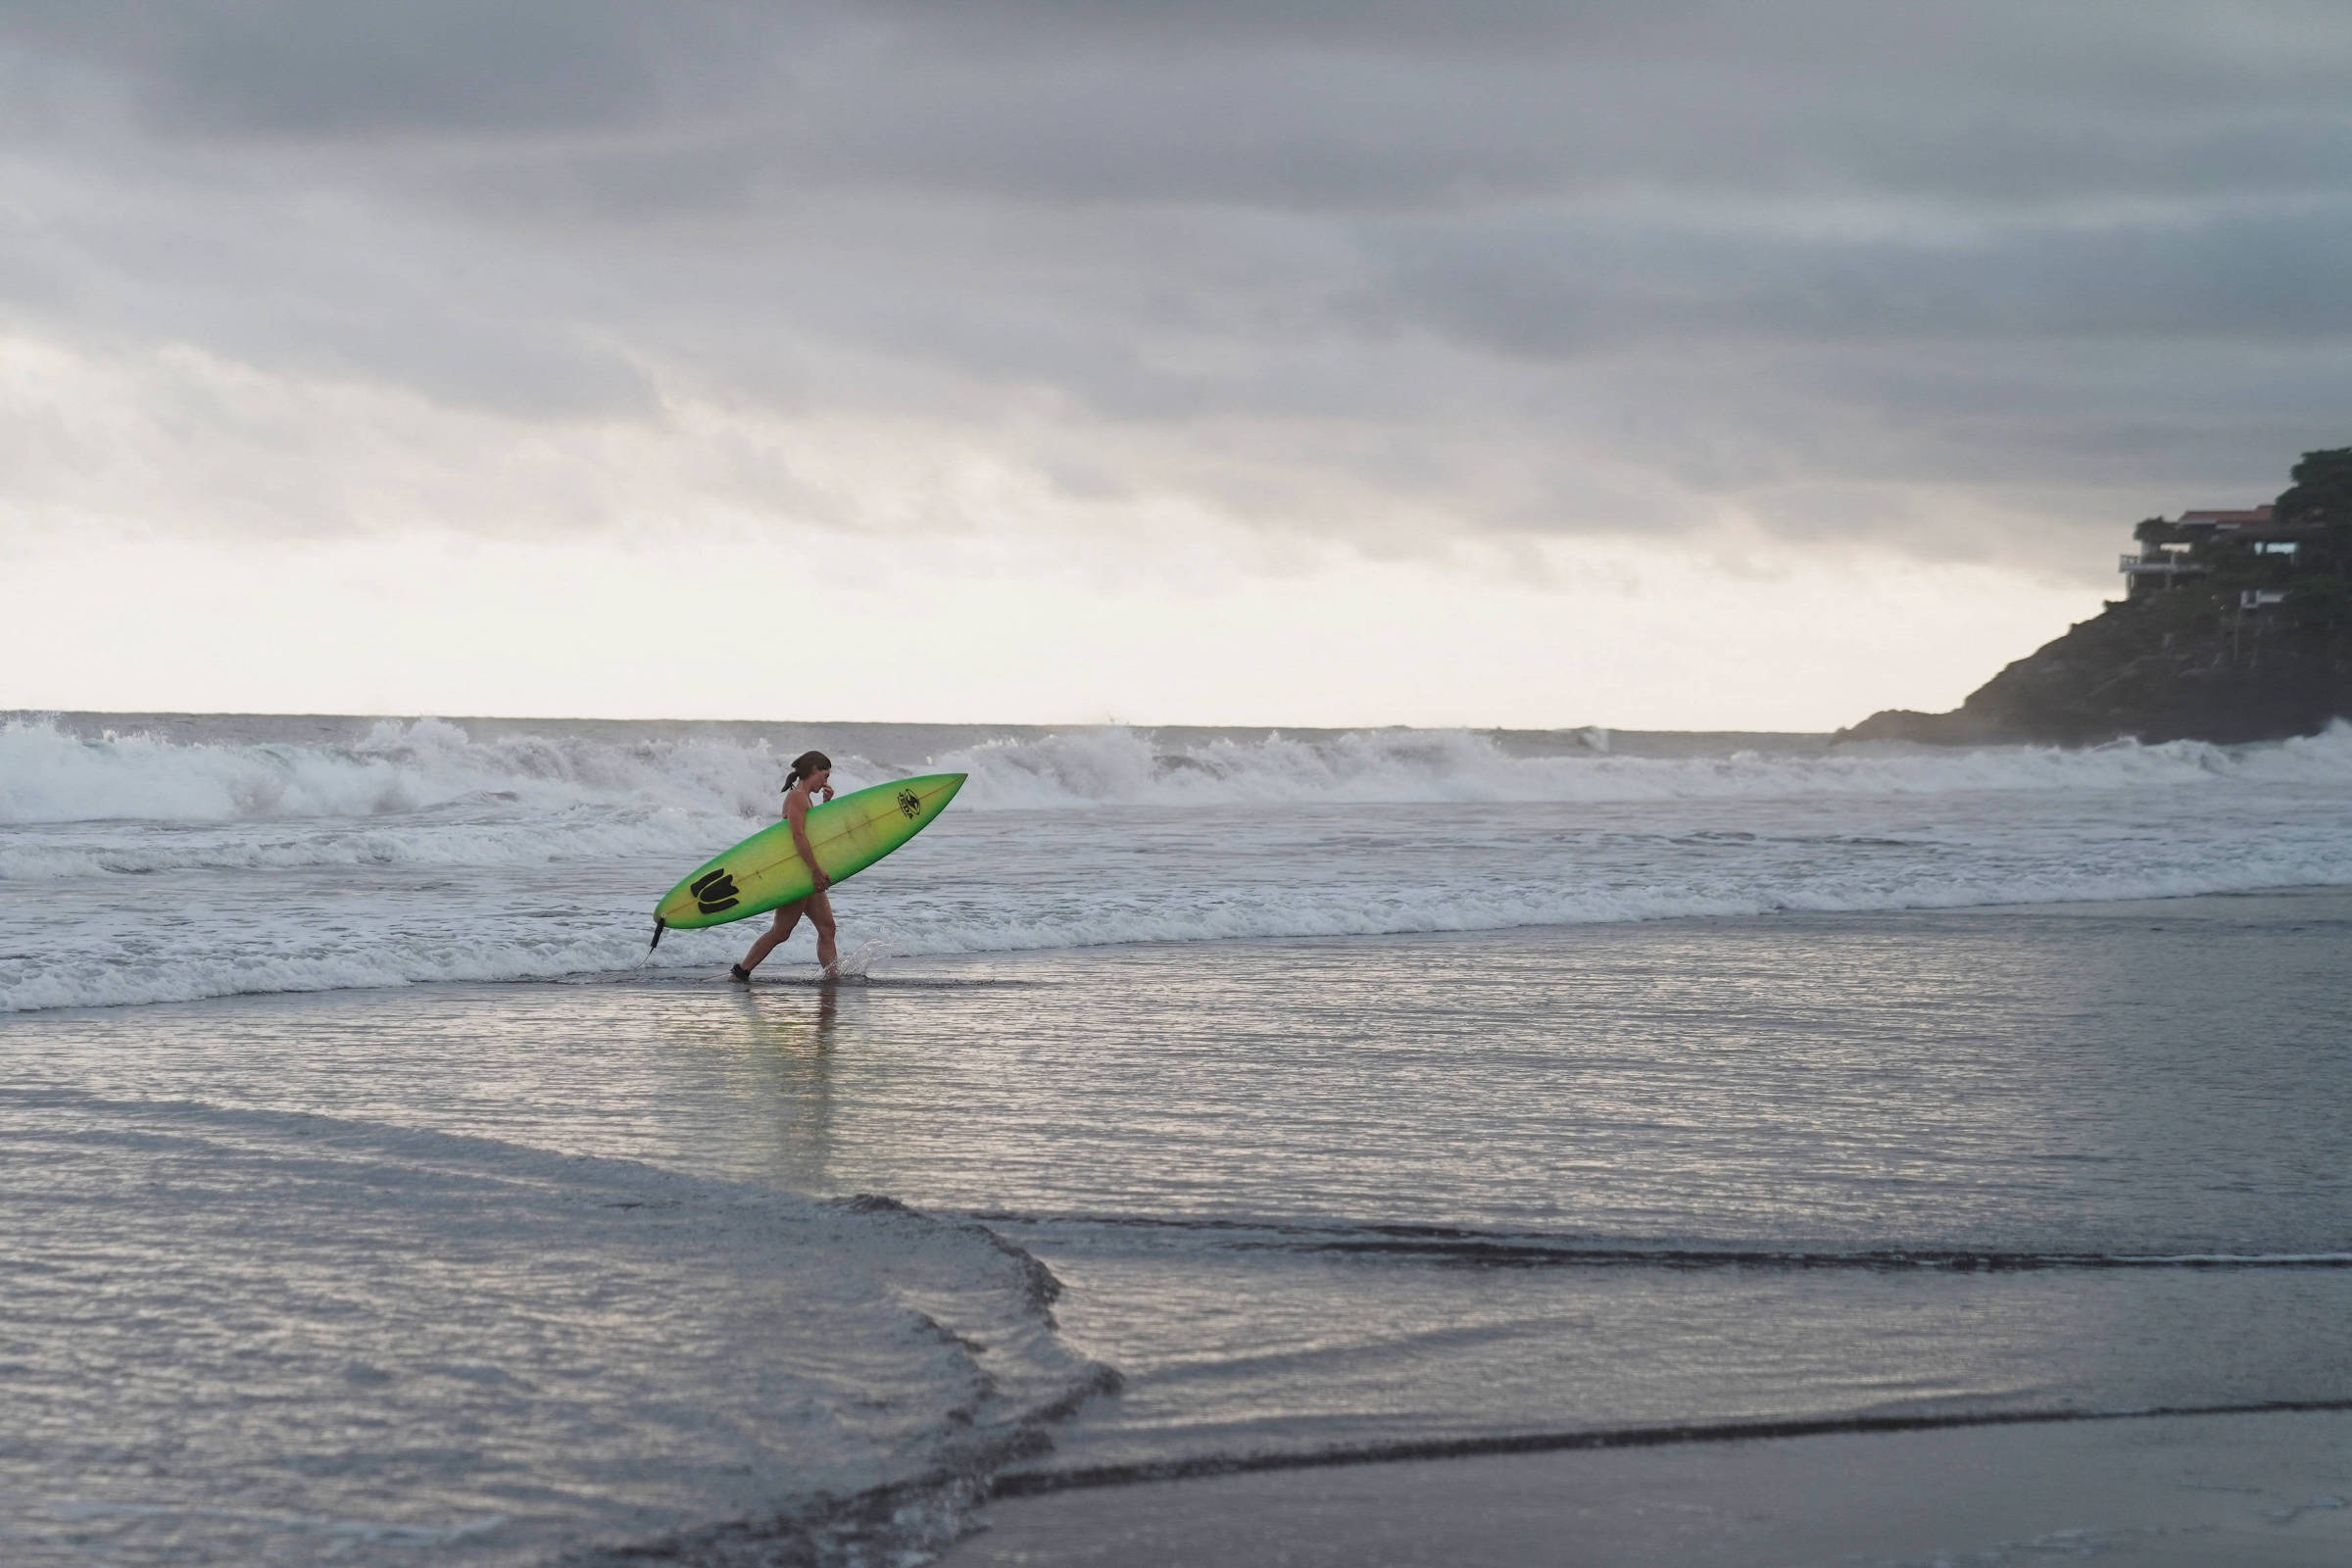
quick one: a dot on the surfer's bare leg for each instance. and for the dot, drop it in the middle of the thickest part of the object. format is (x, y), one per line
(821, 915)
(787, 917)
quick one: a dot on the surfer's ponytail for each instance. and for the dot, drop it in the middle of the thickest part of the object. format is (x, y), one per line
(806, 766)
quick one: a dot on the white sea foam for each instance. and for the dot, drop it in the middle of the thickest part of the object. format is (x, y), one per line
(1096, 766)
(404, 768)
(572, 835)
(476, 936)
(50, 775)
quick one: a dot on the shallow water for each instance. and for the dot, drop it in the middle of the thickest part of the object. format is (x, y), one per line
(1304, 1195)
(481, 1272)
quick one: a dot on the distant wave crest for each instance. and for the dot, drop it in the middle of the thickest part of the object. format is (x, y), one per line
(50, 775)
(399, 768)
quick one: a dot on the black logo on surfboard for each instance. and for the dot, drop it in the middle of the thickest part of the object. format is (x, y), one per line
(911, 802)
(713, 893)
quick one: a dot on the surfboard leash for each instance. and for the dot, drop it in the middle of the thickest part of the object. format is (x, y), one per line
(659, 925)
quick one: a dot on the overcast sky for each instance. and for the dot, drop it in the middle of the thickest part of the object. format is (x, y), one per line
(1652, 364)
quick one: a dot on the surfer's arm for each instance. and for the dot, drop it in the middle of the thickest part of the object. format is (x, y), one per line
(796, 812)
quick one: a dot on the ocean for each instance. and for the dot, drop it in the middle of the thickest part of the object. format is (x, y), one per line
(1195, 1099)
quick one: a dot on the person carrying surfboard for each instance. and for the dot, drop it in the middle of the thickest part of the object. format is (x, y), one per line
(811, 775)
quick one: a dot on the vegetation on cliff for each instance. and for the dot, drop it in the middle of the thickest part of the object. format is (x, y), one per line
(2233, 631)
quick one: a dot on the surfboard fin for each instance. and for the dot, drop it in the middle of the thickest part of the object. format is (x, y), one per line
(659, 925)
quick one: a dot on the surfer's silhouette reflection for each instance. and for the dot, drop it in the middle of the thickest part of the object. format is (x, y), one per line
(783, 1076)
(780, 1024)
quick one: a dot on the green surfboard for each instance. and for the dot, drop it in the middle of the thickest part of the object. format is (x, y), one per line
(847, 833)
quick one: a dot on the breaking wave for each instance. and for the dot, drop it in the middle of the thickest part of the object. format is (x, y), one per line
(48, 774)
(400, 770)
(1117, 767)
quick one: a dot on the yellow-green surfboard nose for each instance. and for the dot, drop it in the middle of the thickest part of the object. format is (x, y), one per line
(847, 834)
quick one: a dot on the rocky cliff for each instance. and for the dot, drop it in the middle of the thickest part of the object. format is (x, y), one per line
(2245, 640)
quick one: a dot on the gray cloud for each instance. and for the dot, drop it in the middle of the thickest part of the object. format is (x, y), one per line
(1572, 283)
(1498, 259)
(440, 69)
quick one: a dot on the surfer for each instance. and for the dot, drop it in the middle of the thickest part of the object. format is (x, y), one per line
(811, 775)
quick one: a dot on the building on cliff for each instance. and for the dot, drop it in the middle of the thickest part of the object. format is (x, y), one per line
(2196, 544)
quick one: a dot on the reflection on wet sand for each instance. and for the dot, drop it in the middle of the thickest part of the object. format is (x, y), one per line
(757, 1064)
(781, 1067)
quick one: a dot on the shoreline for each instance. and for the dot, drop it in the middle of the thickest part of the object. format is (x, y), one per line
(1014, 1484)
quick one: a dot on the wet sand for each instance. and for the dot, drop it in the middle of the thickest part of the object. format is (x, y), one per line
(2176, 1492)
